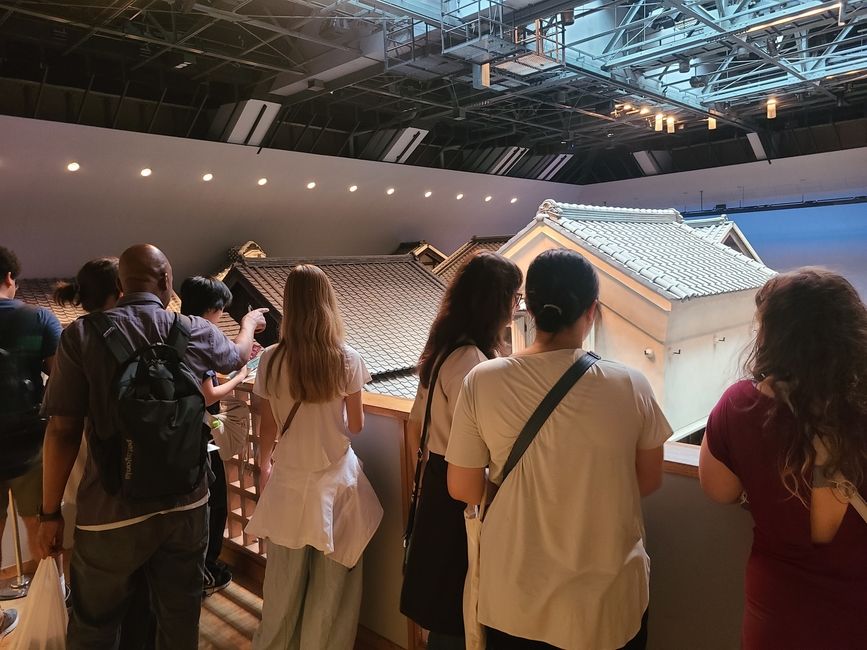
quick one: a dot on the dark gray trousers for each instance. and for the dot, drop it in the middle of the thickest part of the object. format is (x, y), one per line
(170, 550)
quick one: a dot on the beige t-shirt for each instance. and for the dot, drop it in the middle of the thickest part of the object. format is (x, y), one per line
(562, 546)
(445, 397)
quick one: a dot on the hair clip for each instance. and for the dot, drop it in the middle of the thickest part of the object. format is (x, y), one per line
(559, 311)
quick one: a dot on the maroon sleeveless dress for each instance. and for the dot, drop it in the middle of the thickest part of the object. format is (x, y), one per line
(799, 595)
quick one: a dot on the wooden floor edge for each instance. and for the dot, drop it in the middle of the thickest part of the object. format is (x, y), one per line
(367, 639)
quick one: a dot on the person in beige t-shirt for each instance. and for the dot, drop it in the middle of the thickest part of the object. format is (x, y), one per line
(562, 558)
(469, 329)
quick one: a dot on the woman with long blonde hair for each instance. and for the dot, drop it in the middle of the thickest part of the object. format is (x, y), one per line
(316, 508)
(792, 438)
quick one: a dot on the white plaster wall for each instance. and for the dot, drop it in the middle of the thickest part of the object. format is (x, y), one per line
(698, 552)
(56, 219)
(379, 448)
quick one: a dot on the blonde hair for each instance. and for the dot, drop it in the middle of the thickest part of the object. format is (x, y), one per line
(310, 350)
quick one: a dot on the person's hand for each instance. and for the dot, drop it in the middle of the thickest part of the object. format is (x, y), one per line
(243, 372)
(256, 317)
(49, 538)
(264, 475)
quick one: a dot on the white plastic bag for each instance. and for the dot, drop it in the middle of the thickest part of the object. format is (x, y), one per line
(43, 622)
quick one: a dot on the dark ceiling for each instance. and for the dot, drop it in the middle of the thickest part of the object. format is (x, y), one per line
(347, 78)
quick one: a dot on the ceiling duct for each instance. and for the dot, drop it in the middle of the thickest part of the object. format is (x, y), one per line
(245, 122)
(550, 169)
(508, 160)
(403, 144)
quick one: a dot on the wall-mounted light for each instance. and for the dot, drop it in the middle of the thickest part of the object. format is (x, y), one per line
(772, 109)
(488, 198)
(669, 124)
(311, 185)
(648, 352)
(514, 199)
(353, 188)
(711, 124)
(262, 181)
(644, 110)
(208, 177)
(459, 197)
(427, 194)
(389, 191)
(657, 122)
(73, 166)
(146, 172)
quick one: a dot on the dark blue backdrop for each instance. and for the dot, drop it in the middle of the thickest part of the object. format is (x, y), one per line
(831, 236)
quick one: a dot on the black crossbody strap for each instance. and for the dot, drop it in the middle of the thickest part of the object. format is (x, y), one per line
(116, 341)
(179, 335)
(546, 407)
(425, 434)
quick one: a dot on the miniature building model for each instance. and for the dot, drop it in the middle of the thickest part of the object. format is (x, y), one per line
(674, 305)
(450, 266)
(721, 230)
(428, 254)
(388, 304)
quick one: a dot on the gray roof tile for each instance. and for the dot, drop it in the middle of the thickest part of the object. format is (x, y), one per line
(452, 264)
(658, 249)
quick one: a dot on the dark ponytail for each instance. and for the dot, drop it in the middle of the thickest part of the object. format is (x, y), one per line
(92, 288)
(561, 286)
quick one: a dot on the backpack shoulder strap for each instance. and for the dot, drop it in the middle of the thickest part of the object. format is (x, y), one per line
(179, 335)
(546, 407)
(117, 342)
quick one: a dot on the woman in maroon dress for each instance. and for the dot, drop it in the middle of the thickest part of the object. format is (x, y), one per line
(806, 578)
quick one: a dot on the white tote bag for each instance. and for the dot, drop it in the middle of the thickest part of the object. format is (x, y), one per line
(232, 432)
(474, 632)
(43, 624)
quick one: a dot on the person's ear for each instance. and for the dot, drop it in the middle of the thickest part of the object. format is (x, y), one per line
(592, 310)
(8, 279)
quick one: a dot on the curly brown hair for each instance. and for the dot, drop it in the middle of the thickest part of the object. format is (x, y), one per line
(811, 348)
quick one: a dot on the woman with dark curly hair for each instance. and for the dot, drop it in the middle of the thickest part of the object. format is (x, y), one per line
(468, 329)
(792, 440)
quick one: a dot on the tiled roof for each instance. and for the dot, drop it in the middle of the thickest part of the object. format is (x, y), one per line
(40, 293)
(714, 229)
(388, 302)
(657, 248)
(229, 326)
(449, 268)
(397, 384)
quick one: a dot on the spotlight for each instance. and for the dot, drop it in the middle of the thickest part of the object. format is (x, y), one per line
(352, 188)
(488, 199)
(514, 199)
(311, 185)
(262, 181)
(644, 110)
(427, 194)
(208, 177)
(389, 191)
(73, 166)
(146, 172)
(459, 197)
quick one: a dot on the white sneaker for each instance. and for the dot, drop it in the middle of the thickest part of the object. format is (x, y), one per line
(8, 621)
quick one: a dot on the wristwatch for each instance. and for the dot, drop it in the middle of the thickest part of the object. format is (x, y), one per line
(48, 516)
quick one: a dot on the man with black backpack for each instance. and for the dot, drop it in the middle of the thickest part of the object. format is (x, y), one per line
(28, 340)
(134, 372)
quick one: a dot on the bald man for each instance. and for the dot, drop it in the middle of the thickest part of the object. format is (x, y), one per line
(114, 536)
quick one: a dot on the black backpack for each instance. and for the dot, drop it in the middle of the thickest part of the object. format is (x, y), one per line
(22, 429)
(155, 448)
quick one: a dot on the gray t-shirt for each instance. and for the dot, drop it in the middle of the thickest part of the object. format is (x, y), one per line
(81, 386)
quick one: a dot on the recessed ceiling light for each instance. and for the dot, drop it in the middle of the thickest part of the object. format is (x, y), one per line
(208, 177)
(514, 199)
(146, 171)
(389, 191)
(262, 181)
(459, 197)
(311, 185)
(73, 166)
(427, 194)
(352, 188)
(488, 199)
